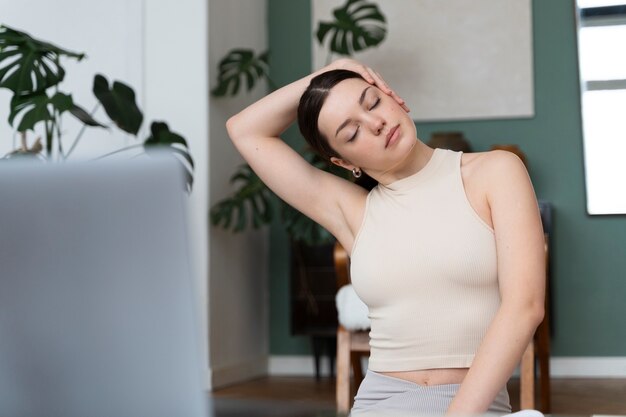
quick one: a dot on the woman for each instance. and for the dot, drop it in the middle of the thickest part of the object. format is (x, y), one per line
(447, 251)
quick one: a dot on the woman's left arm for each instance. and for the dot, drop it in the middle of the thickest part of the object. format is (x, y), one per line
(521, 276)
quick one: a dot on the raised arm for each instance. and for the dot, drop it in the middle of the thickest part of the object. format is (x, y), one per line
(255, 133)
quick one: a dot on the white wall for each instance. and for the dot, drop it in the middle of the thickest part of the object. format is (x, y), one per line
(238, 306)
(453, 59)
(176, 80)
(161, 50)
(110, 33)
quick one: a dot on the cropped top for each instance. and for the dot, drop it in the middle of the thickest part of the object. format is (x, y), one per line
(425, 264)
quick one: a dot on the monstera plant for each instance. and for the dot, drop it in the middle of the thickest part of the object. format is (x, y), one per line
(358, 25)
(31, 69)
(238, 65)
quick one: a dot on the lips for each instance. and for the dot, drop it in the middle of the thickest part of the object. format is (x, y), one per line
(391, 133)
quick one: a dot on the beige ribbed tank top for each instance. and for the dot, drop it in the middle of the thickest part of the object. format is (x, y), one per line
(425, 264)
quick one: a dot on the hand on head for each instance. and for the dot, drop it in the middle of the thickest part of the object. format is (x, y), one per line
(370, 75)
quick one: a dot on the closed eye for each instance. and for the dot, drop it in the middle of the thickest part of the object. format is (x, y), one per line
(354, 136)
(357, 129)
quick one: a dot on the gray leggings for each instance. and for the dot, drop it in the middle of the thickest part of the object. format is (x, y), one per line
(380, 393)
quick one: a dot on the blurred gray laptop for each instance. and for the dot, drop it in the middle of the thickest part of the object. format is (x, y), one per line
(97, 313)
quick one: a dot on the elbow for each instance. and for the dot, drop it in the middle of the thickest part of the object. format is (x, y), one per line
(237, 127)
(231, 127)
(536, 314)
(531, 313)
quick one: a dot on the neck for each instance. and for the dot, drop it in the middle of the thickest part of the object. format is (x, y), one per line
(415, 160)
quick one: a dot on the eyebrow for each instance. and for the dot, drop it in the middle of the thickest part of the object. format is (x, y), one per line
(346, 122)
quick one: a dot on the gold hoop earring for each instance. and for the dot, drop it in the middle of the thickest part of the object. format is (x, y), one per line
(356, 172)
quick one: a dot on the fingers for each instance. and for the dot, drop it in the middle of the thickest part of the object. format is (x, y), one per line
(400, 101)
(368, 75)
(373, 77)
(363, 70)
(382, 84)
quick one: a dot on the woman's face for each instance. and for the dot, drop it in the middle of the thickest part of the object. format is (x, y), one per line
(367, 127)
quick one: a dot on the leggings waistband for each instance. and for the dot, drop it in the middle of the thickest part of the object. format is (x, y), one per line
(386, 394)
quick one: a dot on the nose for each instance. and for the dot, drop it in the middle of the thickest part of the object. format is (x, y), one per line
(377, 124)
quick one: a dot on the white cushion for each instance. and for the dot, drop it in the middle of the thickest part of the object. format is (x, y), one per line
(353, 313)
(527, 413)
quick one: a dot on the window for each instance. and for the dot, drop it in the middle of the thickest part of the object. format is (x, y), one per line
(602, 63)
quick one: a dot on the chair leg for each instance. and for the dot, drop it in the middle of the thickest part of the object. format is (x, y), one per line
(527, 378)
(543, 356)
(343, 370)
(357, 370)
(332, 354)
(317, 351)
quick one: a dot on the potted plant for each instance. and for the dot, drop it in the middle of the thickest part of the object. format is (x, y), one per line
(31, 69)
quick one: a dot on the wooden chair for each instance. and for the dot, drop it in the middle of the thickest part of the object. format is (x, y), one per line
(352, 345)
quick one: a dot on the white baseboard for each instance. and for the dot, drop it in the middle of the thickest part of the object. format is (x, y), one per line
(588, 367)
(221, 376)
(298, 365)
(295, 365)
(560, 367)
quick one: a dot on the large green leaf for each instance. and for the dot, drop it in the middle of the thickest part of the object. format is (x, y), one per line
(238, 64)
(82, 115)
(27, 65)
(119, 103)
(161, 138)
(358, 26)
(250, 203)
(37, 107)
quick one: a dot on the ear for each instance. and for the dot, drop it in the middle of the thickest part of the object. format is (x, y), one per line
(341, 163)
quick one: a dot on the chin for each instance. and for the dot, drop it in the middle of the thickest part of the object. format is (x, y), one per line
(407, 143)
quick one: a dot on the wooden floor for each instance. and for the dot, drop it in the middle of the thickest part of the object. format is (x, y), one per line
(302, 396)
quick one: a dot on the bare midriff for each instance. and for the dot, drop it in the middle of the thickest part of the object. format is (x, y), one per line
(428, 377)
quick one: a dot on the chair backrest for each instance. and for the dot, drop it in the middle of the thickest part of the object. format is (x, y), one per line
(342, 265)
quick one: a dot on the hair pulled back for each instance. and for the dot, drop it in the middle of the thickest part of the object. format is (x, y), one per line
(311, 104)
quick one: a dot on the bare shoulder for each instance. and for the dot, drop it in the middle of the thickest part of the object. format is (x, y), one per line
(494, 159)
(495, 169)
(502, 158)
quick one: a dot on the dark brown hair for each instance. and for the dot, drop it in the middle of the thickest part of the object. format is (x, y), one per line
(310, 105)
(309, 109)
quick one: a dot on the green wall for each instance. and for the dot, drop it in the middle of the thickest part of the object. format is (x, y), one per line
(588, 280)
